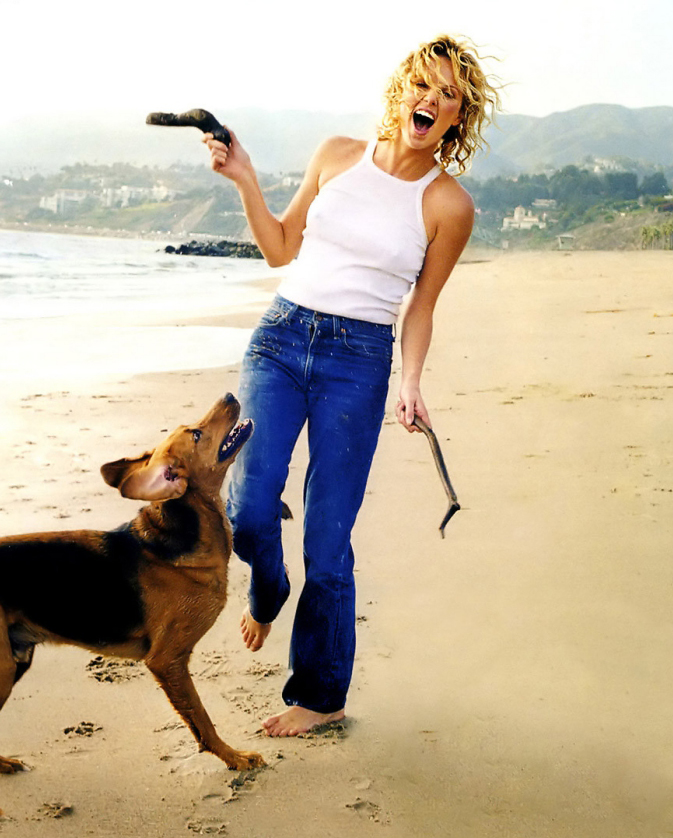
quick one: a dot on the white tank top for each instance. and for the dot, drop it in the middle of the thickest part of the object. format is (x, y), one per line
(364, 244)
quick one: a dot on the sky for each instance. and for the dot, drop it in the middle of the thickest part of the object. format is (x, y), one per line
(79, 56)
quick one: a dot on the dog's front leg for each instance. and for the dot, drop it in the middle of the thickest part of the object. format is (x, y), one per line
(174, 678)
(8, 677)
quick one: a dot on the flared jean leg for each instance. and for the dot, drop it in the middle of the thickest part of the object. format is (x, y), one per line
(269, 396)
(343, 426)
(333, 372)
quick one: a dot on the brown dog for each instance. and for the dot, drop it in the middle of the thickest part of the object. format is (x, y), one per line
(165, 573)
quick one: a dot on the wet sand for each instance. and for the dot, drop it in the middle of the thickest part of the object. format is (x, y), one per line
(513, 679)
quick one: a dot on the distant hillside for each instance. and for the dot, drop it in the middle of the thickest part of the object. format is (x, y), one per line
(529, 144)
(283, 141)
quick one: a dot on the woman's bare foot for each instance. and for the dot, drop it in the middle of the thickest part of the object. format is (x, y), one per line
(296, 720)
(254, 633)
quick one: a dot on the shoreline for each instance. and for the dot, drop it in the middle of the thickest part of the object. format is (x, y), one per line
(476, 247)
(92, 232)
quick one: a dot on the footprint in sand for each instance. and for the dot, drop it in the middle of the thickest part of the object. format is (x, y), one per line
(112, 671)
(254, 689)
(211, 665)
(368, 809)
(82, 729)
(208, 817)
(264, 670)
(203, 827)
(55, 809)
(243, 699)
(179, 755)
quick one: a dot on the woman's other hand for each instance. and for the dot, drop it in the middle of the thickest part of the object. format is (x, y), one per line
(410, 404)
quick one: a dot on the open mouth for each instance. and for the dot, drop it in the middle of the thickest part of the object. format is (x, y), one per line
(423, 121)
(236, 439)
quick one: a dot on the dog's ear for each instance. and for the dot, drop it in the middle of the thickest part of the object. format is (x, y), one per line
(143, 478)
(114, 473)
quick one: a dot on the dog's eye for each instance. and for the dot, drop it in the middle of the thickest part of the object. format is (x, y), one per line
(196, 434)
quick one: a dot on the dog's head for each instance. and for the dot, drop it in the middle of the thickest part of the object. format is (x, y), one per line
(192, 457)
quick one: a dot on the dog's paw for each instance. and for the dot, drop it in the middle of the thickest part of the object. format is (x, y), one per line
(245, 760)
(11, 766)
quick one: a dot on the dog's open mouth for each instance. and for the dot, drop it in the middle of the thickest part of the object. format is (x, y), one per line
(236, 439)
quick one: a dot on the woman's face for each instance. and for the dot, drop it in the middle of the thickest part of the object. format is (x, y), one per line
(427, 111)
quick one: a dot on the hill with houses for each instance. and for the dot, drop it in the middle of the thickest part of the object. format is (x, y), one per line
(604, 166)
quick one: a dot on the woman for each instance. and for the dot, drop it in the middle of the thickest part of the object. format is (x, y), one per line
(370, 222)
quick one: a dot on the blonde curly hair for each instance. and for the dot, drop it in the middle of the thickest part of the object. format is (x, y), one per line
(480, 97)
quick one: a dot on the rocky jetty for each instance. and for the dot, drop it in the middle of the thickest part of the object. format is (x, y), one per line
(242, 250)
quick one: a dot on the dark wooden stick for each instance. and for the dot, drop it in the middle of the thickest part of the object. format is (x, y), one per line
(454, 506)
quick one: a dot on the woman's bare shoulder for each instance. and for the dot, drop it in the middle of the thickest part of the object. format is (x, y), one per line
(337, 154)
(447, 188)
(447, 206)
(343, 145)
(445, 196)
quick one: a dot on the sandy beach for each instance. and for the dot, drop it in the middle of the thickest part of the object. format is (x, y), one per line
(513, 679)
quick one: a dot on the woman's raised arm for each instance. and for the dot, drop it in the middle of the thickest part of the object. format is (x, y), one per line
(279, 239)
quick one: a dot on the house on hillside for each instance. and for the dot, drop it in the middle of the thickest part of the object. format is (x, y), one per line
(523, 220)
(127, 196)
(63, 200)
(292, 180)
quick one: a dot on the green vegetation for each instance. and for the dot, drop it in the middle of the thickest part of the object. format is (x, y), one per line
(657, 236)
(609, 209)
(571, 200)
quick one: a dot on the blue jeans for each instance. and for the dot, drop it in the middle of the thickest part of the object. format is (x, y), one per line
(332, 372)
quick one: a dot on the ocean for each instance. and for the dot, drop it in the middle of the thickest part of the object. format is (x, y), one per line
(70, 307)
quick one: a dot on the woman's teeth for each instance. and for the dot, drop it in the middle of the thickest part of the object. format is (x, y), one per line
(423, 120)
